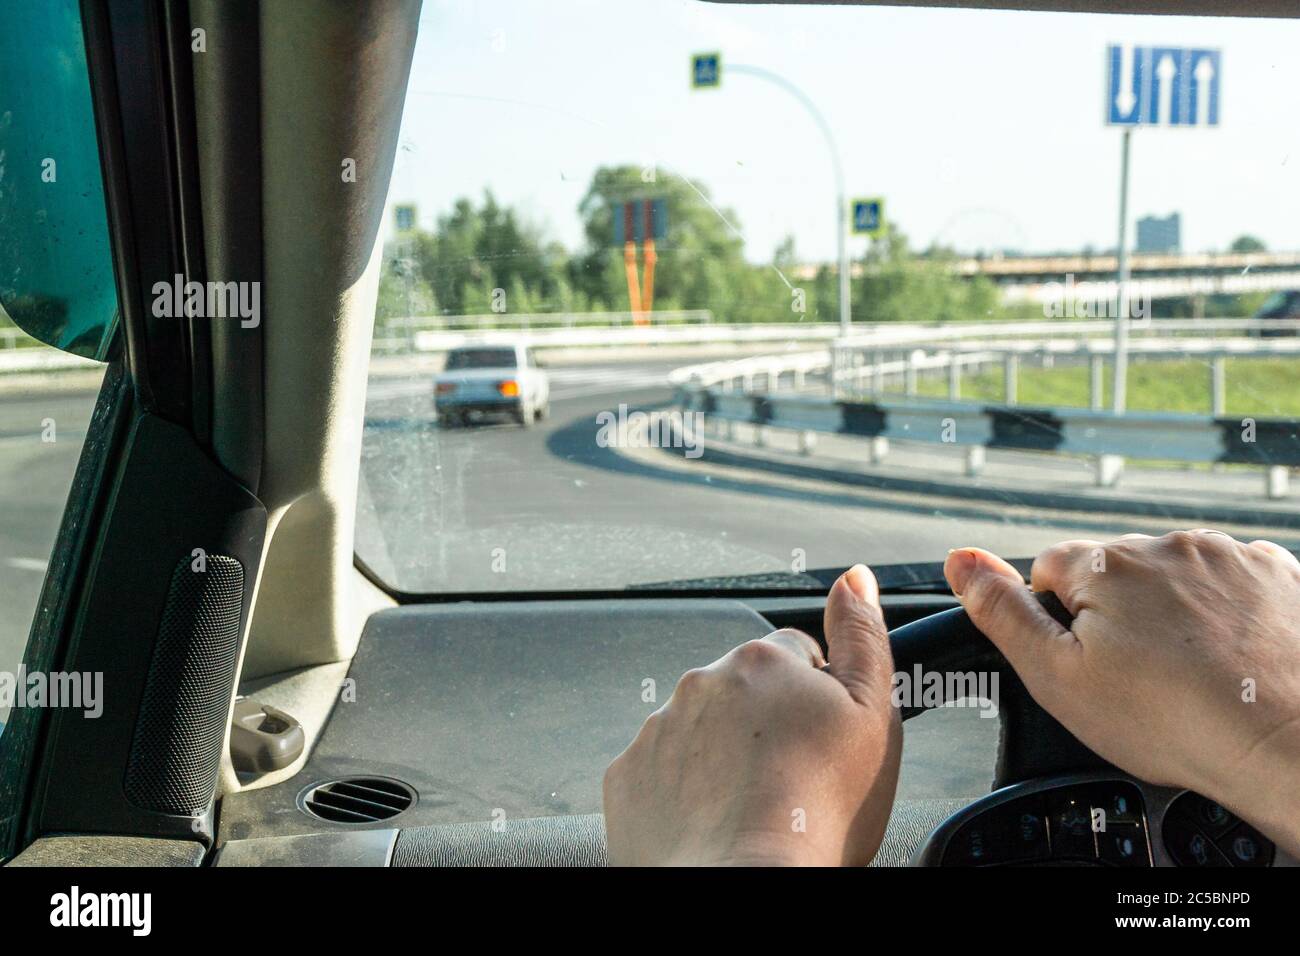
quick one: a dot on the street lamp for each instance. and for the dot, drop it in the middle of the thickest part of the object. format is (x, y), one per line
(841, 211)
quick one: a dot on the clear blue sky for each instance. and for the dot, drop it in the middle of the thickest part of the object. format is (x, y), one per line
(981, 129)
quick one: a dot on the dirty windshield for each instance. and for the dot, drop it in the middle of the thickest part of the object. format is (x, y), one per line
(692, 295)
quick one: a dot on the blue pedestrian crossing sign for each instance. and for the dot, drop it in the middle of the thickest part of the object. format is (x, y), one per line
(1162, 86)
(706, 70)
(868, 217)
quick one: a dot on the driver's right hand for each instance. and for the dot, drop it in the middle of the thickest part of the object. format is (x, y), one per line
(1182, 666)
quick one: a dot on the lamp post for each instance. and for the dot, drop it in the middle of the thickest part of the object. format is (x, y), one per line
(841, 211)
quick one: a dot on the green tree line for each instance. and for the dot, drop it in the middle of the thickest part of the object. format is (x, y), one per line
(478, 248)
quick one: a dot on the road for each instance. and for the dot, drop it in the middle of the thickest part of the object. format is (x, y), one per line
(503, 508)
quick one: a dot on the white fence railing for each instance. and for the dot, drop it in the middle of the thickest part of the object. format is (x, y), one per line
(640, 335)
(548, 320)
(765, 391)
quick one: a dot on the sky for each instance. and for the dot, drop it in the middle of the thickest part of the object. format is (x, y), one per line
(982, 130)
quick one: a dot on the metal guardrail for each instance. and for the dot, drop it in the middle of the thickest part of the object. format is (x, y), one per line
(729, 391)
(545, 320)
(1110, 438)
(12, 338)
(863, 364)
(436, 341)
(682, 328)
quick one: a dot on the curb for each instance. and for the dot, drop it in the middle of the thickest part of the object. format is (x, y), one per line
(1048, 500)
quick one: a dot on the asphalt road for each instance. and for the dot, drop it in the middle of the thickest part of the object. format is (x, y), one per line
(502, 508)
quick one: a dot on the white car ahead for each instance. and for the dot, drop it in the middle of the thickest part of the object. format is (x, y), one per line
(483, 380)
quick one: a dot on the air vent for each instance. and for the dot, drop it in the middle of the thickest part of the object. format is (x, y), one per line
(357, 800)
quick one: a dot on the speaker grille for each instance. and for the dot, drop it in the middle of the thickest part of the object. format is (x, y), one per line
(176, 753)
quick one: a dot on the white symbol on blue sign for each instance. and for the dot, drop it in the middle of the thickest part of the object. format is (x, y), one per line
(704, 68)
(1162, 86)
(866, 215)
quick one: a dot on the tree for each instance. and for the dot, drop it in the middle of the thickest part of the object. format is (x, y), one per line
(1247, 244)
(475, 250)
(899, 286)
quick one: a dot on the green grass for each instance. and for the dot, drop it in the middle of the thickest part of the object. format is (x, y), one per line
(1266, 388)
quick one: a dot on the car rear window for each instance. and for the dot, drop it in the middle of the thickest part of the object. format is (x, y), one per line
(481, 358)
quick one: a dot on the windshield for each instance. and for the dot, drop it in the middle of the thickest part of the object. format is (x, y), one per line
(813, 285)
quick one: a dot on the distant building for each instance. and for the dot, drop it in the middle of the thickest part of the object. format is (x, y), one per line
(1160, 235)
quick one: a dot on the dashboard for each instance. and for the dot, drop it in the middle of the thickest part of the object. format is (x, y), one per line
(477, 733)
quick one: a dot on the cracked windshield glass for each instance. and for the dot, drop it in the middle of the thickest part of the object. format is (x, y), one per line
(722, 296)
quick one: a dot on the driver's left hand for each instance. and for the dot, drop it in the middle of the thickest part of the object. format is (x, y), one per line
(765, 758)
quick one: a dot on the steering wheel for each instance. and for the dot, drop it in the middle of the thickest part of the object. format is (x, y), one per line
(1055, 802)
(949, 641)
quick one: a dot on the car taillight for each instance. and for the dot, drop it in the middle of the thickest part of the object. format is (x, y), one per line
(445, 388)
(509, 388)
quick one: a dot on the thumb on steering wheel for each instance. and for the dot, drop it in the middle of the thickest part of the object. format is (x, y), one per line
(1004, 609)
(856, 637)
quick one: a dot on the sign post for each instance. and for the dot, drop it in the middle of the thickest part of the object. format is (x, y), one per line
(643, 221)
(1151, 86)
(1119, 386)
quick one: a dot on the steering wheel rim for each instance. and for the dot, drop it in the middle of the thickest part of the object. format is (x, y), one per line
(1031, 742)
(949, 641)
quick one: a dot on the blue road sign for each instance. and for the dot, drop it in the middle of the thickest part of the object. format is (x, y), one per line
(706, 70)
(868, 217)
(1162, 86)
